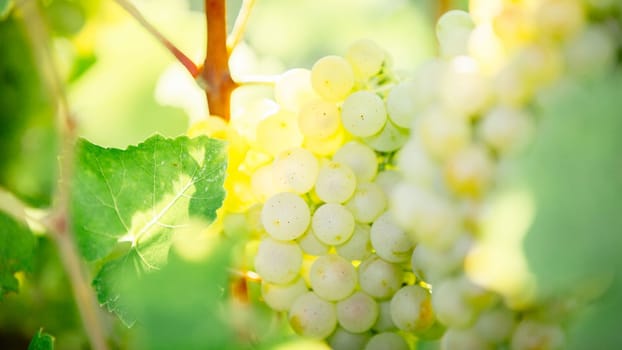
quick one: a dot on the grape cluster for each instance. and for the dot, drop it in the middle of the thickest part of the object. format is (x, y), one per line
(372, 187)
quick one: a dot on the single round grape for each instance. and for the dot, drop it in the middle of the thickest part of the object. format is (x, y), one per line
(390, 138)
(363, 113)
(341, 339)
(403, 104)
(332, 78)
(452, 30)
(310, 244)
(505, 129)
(360, 158)
(262, 183)
(379, 278)
(366, 58)
(463, 339)
(470, 172)
(319, 118)
(280, 297)
(357, 313)
(285, 216)
(533, 334)
(325, 146)
(278, 133)
(495, 325)
(387, 340)
(415, 164)
(367, 203)
(335, 183)
(358, 247)
(437, 264)
(296, 170)
(332, 223)
(387, 179)
(332, 277)
(411, 309)
(384, 322)
(441, 133)
(312, 316)
(465, 90)
(389, 240)
(450, 305)
(278, 262)
(293, 88)
(591, 52)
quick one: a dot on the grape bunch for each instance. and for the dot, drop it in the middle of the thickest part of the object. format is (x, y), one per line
(367, 190)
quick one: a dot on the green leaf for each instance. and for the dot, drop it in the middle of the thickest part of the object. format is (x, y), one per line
(17, 245)
(574, 169)
(127, 204)
(5, 8)
(28, 160)
(41, 341)
(184, 305)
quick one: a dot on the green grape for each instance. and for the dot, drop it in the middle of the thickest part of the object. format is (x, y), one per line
(363, 113)
(332, 78)
(333, 278)
(312, 316)
(411, 309)
(357, 313)
(387, 340)
(278, 262)
(285, 216)
(332, 223)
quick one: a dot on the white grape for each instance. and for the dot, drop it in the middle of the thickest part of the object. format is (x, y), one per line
(591, 53)
(332, 223)
(285, 216)
(296, 170)
(385, 320)
(415, 164)
(532, 334)
(363, 113)
(360, 158)
(470, 171)
(332, 78)
(429, 216)
(367, 203)
(452, 30)
(387, 179)
(450, 305)
(332, 277)
(505, 129)
(366, 58)
(319, 118)
(495, 325)
(411, 309)
(441, 133)
(278, 133)
(463, 339)
(310, 244)
(464, 89)
(280, 297)
(403, 104)
(312, 316)
(293, 88)
(335, 183)
(325, 146)
(278, 262)
(390, 138)
(379, 278)
(387, 340)
(389, 240)
(358, 247)
(262, 183)
(341, 339)
(357, 313)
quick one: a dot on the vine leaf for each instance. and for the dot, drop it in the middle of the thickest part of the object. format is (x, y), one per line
(127, 204)
(41, 341)
(17, 245)
(5, 8)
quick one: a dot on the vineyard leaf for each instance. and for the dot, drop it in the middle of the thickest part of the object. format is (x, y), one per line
(127, 204)
(144, 191)
(41, 341)
(17, 245)
(575, 171)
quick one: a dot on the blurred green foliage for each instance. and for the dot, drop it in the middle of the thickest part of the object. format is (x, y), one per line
(41, 341)
(574, 169)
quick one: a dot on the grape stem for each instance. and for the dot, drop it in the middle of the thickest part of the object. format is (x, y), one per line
(181, 57)
(443, 6)
(214, 75)
(239, 26)
(58, 222)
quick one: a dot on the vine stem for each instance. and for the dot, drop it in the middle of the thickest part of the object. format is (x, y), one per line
(181, 57)
(214, 75)
(443, 6)
(58, 221)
